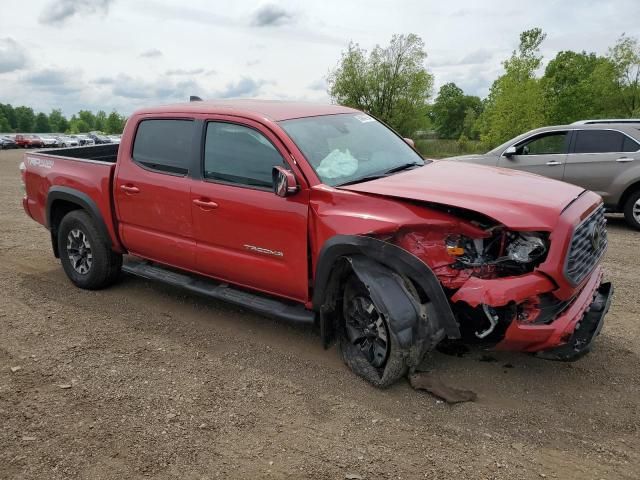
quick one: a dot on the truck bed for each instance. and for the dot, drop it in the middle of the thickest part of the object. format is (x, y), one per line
(102, 153)
(79, 172)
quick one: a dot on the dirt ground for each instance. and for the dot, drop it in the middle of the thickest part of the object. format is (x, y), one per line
(141, 380)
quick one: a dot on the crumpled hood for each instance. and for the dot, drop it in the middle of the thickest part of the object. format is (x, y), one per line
(519, 200)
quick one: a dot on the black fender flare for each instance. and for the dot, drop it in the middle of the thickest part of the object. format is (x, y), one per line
(83, 201)
(395, 259)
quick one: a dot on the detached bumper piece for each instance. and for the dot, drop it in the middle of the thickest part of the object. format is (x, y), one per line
(586, 329)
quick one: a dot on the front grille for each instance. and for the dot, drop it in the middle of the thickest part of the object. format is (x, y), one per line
(588, 244)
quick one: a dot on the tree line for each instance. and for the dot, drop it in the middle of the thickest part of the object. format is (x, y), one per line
(24, 120)
(393, 84)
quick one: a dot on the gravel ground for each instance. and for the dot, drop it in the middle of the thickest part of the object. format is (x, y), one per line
(141, 380)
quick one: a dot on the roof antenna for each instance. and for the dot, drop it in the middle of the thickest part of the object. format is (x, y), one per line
(194, 98)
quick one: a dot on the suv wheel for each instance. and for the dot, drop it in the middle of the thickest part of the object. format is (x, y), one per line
(632, 210)
(366, 344)
(86, 259)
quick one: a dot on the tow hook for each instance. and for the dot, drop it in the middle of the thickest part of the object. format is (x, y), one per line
(493, 321)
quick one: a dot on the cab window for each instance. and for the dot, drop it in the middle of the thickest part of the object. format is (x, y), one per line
(239, 155)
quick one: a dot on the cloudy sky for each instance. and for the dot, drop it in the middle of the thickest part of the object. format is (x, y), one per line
(122, 54)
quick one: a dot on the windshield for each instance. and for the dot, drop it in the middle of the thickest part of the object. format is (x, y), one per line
(348, 147)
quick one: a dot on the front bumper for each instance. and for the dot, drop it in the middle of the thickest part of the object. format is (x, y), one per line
(586, 330)
(569, 334)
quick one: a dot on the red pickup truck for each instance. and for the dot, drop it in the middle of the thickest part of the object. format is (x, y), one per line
(322, 214)
(29, 141)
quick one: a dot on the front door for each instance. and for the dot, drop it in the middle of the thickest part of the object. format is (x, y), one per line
(244, 233)
(152, 192)
(543, 154)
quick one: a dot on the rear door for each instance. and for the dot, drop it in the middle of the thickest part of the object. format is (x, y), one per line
(544, 154)
(597, 157)
(152, 191)
(245, 234)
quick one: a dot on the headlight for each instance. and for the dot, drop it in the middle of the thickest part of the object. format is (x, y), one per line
(526, 248)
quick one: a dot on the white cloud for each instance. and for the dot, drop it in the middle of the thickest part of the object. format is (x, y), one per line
(266, 48)
(58, 12)
(151, 53)
(12, 56)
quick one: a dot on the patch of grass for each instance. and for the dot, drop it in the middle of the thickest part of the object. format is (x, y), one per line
(441, 148)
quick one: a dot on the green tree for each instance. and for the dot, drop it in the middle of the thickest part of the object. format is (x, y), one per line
(625, 56)
(114, 123)
(450, 109)
(41, 124)
(77, 125)
(58, 122)
(8, 112)
(5, 127)
(100, 120)
(515, 102)
(579, 86)
(88, 118)
(391, 83)
(25, 119)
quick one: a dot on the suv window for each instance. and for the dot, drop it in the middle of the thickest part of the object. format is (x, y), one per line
(237, 154)
(598, 141)
(544, 144)
(630, 145)
(164, 145)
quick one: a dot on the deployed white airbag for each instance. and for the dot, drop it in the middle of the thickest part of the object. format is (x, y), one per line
(338, 164)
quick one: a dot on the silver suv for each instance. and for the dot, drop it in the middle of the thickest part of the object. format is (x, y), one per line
(604, 158)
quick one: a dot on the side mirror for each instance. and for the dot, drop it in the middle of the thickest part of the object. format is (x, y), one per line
(284, 181)
(410, 142)
(509, 152)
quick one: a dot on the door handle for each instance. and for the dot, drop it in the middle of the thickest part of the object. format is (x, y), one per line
(553, 163)
(130, 188)
(205, 203)
(625, 159)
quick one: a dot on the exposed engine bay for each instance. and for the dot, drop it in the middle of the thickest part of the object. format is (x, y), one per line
(479, 251)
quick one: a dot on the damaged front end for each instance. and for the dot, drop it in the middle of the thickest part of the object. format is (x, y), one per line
(501, 292)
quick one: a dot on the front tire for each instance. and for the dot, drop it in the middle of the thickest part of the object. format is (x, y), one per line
(85, 255)
(366, 344)
(632, 210)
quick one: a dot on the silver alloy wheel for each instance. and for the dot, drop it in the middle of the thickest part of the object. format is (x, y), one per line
(636, 210)
(366, 330)
(79, 251)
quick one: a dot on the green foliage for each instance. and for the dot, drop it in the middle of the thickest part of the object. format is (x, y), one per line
(8, 112)
(57, 121)
(390, 83)
(41, 124)
(114, 123)
(5, 126)
(451, 109)
(441, 148)
(88, 119)
(515, 102)
(100, 120)
(625, 56)
(25, 119)
(579, 85)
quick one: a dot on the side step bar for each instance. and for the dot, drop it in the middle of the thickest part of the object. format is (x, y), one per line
(220, 291)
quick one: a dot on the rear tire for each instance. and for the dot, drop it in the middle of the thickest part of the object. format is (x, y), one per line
(632, 210)
(374, 353)
(85, 255)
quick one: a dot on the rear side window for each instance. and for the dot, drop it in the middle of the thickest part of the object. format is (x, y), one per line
(630, 145)
(164, 145)
(598, 141)
(238, 154)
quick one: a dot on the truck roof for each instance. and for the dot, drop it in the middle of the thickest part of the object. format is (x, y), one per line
(274, 110)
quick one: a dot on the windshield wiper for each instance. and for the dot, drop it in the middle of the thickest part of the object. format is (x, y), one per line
(404, 166)
(398, 168)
